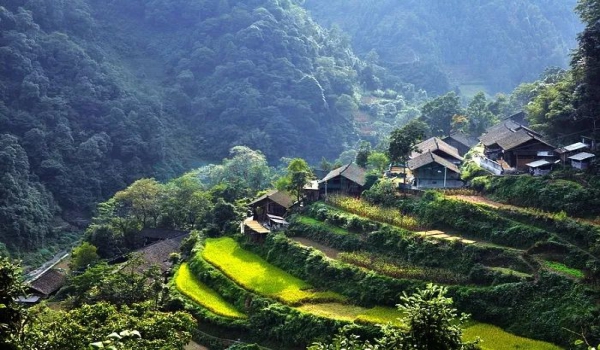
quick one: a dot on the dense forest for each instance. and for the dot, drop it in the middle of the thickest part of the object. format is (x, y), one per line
(493, 44)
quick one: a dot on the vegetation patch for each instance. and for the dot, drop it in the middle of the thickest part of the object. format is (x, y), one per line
(507, 271)
(189, 285)
(563, 269)
(336, 311)
(362, 208)
(386, 267)
(494, 338)
(316, 223)
(255, 274)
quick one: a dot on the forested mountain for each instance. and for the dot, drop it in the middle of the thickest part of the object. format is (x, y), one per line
(96, 94)
(492, 42)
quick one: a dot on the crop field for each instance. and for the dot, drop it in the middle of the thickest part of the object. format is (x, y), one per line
(376, 315)
(253, 273)
(314, 222)
(562, 268)
(187, 284)
(494, 338)
(383, 266)
(386, 215)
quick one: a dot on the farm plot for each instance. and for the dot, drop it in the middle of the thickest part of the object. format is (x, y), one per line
(336, 311)
(187, 284)
(255, 274)
(494, 338)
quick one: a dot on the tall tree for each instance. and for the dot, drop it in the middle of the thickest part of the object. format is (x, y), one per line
(438, 113)
(403, 140)
(11, 312)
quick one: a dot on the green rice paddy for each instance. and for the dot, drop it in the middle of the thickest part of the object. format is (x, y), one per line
(187, 284)
(494, 338)
(253, 273)
(564, 269)
(352, 313)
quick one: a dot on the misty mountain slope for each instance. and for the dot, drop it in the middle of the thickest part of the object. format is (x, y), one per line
(96, 94)
(498, 43)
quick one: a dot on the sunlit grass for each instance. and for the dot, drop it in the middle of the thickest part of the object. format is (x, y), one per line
(564, 269)
(187, 284)
(316, 223)
(494, 338)
(343, 312)
(255, 274)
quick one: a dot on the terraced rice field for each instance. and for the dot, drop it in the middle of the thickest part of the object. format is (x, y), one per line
(255, 274)
(494, 338)
(352, 313)
(187, 284)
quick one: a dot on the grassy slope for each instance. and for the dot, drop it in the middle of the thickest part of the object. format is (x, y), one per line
(255, 274)
(187, 284)
(494, 338)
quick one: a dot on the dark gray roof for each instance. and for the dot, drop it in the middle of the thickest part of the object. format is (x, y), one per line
(351, 172)
(498, 132)
(282, 198)
(519, 138)
(48, 282)
(160, 233)
(462, 138)
(159, 253)
(428, 158)
(435, 144)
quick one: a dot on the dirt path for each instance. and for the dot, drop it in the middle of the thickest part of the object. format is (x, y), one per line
(195, 346)
(329, 252)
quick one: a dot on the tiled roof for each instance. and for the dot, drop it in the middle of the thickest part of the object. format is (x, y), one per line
(428, 158)
(351, 172)
(582, 156)
(435, 144)
(284, 199)
(49, 282)
(462, 138)
(518, 138)
(159, 253)
(498, 132)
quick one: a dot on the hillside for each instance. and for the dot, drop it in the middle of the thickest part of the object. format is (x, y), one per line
(96, 94)
(491, 44)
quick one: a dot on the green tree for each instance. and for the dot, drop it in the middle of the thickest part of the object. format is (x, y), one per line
(298, 174)
(438, 113)
(363, 153)
(83, 255)
(432, 324)
(11, 312)
(378, 162)
(403, 140)
(479, 115)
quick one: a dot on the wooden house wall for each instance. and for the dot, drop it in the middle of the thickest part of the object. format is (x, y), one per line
(522, 155)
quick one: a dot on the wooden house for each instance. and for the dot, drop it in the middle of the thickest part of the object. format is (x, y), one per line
(567, 151)
(432, 171)
(462, 142)
(273, 203)
(438, 147)
(513, 145)
(581, 160)
(311, 191)
(349, 180)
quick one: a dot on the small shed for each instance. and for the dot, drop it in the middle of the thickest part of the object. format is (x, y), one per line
(582, 160)
(254, 230)
(570, 150)
(540, 167)
(311, 191)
